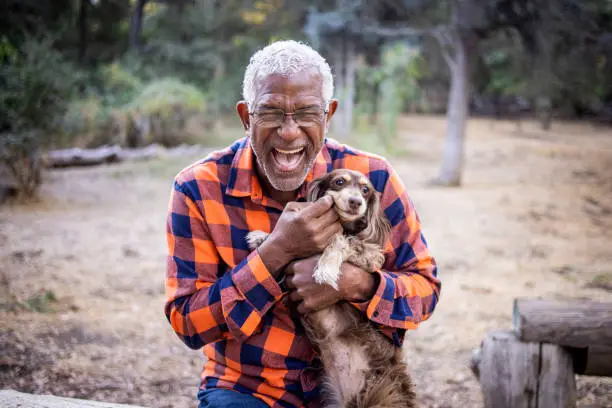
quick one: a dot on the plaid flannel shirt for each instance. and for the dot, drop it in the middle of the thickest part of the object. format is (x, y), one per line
(221, 296)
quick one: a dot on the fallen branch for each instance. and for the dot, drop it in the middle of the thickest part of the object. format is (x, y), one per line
(83, 157)
(115, 154)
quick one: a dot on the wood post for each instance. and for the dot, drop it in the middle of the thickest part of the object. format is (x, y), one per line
(514, 374)
(534, 365)
(557, 385)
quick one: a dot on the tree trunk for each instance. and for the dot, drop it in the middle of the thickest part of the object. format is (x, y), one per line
(350, 66)
(84, 4)
(457, 112)
(544, 112)
(136, 24)
(338, 66)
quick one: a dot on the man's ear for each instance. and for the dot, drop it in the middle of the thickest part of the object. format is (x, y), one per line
(331, 109)
(243, 112)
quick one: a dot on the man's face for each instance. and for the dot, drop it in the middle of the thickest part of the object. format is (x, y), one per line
(286, 149)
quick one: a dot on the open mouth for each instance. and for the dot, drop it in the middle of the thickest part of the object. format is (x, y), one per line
(288, 161)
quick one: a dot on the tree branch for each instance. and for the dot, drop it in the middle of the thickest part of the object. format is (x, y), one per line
(445, 40)
(395, 32)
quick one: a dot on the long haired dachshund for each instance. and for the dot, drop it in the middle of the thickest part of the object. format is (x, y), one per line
(363, 369)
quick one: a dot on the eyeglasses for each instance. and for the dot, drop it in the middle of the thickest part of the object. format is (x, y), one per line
(271, 118)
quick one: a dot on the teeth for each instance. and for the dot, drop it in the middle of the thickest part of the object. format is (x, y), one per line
(289, 151)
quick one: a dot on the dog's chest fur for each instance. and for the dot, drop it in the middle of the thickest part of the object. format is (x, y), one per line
(347, 361)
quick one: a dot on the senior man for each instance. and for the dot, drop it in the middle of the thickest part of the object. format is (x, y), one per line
(238, 303)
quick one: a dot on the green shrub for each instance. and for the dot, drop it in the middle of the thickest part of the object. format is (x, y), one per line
(88, 123)
(120, 85)
(36, 86)
(159, 114)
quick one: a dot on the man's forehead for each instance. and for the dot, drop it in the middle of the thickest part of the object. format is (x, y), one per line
(305, 86)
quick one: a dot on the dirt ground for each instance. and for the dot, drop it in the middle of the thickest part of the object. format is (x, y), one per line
(82, 270)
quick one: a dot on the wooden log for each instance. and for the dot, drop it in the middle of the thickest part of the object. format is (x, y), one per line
(585, 326)
(514, 374)
(594, 360)
(575, 324)
(111, 154)
(83, 157)
(15, 399)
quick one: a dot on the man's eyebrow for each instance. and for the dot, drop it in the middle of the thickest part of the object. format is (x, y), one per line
(266, 106)
(308, 107)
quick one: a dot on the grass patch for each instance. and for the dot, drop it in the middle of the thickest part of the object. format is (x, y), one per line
(41, 302)
(602, 281)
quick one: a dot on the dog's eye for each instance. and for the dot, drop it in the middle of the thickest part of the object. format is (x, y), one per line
(340, 182)
(365, 190)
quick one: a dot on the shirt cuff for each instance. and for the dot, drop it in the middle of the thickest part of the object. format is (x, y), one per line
(364, 306)
(255, 283)
(380, 308)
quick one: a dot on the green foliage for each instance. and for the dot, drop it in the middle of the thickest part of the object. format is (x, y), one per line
(37, 84)
(386, 90)
(208, 44)
(503, 67)
(602, 281)
(160, 113)
(162, 96)
(120, 85)
(88, 123)
(40, 302)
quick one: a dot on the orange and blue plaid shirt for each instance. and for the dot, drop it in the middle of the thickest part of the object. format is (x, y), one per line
(221, 296)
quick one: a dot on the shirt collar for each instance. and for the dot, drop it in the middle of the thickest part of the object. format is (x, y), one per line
(243, 180)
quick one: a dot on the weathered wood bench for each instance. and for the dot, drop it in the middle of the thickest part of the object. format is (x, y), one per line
(534, 364)
(15, 399)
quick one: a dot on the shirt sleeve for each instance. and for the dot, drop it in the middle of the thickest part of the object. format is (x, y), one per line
(408, 289)
(206, 301)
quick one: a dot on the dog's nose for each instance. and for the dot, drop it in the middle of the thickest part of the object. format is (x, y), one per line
(354, 203)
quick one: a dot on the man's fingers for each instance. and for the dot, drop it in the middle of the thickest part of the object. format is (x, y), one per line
(296, 206)
(326, 219)
(331, 231)
(319, 207)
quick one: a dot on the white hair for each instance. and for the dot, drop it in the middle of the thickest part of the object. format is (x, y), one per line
(285, 58)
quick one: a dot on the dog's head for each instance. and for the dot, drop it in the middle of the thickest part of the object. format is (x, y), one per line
(355, 200)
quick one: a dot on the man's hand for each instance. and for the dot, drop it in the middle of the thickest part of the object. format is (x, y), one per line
(303, 229)
(354, 284)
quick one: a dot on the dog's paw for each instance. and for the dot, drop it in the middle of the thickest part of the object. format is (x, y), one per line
(325, 274)
(256, 238)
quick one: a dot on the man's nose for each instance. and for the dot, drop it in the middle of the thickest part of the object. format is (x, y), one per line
(289, 129)
(354, 203)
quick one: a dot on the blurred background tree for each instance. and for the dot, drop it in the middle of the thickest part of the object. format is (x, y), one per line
(94, 72)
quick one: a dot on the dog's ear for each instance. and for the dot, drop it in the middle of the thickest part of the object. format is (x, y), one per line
(378, 227)
(317, 188)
